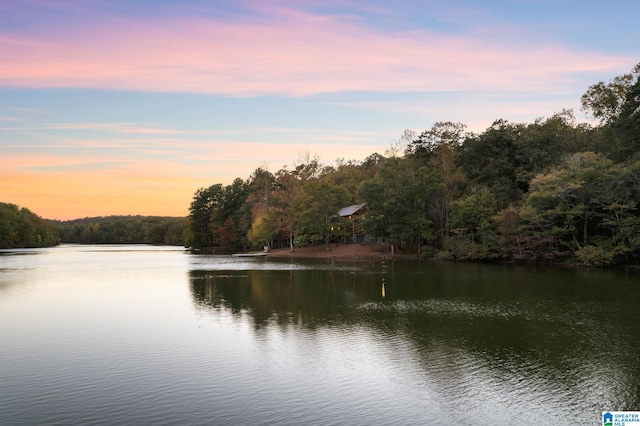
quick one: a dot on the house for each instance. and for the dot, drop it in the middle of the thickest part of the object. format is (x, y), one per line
(356, 209)
(353, 215)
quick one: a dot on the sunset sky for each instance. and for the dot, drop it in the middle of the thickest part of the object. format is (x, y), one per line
(127, 107)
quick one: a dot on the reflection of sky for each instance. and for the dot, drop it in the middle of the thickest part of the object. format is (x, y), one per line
(72, 281)
(241, 263)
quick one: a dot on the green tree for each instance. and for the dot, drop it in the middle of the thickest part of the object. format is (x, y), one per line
(261, 186)
(350, 174)
(545, 143)
(427, 187)
(627, 126)
(9, 231)
(491, 160)
(387, 197)
(440, 146)
(441, 133)
(607, 101)
(473, 225)
(288, 187)
(587, 202)
(615, 106)
(19, 228)
(316, 206)
(205, 202)
(234, 207)
(401, 202)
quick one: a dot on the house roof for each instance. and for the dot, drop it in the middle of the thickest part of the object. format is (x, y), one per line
(348, 211)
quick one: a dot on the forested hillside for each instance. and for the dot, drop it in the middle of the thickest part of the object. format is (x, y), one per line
(21, 228)
(123, 230)
(551, 190)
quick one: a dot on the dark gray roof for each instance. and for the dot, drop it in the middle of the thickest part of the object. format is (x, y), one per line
(348, 211)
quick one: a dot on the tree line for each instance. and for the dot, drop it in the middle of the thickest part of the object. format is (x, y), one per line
(122, 230)
(551, 190)
(21, 228)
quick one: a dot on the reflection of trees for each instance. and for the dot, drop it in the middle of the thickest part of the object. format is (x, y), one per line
(565, 331)
(298, 297)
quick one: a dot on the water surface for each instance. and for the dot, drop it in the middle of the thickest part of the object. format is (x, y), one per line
(155, 335)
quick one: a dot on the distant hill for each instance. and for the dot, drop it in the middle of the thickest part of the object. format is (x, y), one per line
(122, 230)
(21, 228)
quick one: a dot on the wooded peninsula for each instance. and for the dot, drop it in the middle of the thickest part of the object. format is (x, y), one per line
(554, 190)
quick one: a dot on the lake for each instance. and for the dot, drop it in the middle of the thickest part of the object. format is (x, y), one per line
(118, 335)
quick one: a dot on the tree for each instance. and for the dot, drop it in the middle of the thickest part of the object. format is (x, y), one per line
(441, 146)
(606, 101)
(205, 201)
(545, 143)
(587, 202)
(350, 174)
(234, 207)
(615, 106)
(472, 215)
(400, 201)
(491, 160)
(627, 126)
(317, 204)
(427, 187)
(261, 187)
(441, 133)
(308, 167)
(288, 186)
(473, 226)
(19, 227)
(387, 198)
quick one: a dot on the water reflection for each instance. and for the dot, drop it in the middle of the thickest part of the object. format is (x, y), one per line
(287, 297)
(508, 343)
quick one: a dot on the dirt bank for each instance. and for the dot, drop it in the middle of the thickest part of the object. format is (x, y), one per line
(346, 251)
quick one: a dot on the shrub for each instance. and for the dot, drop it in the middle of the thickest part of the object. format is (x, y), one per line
(595, 257)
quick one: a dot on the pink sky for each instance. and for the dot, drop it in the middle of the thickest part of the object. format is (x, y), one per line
(294, 54)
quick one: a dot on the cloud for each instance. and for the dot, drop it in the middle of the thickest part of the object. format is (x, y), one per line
(127, 128)
(291, 53)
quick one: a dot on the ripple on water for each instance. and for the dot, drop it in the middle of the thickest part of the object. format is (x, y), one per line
(511, 359)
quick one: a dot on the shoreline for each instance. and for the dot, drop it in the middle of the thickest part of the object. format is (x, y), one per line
(345, 251)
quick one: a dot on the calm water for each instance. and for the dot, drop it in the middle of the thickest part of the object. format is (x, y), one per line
(120, 335)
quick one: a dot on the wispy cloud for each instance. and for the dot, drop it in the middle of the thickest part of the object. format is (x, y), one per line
(127, 128)
(293, 53)
(182, 138)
